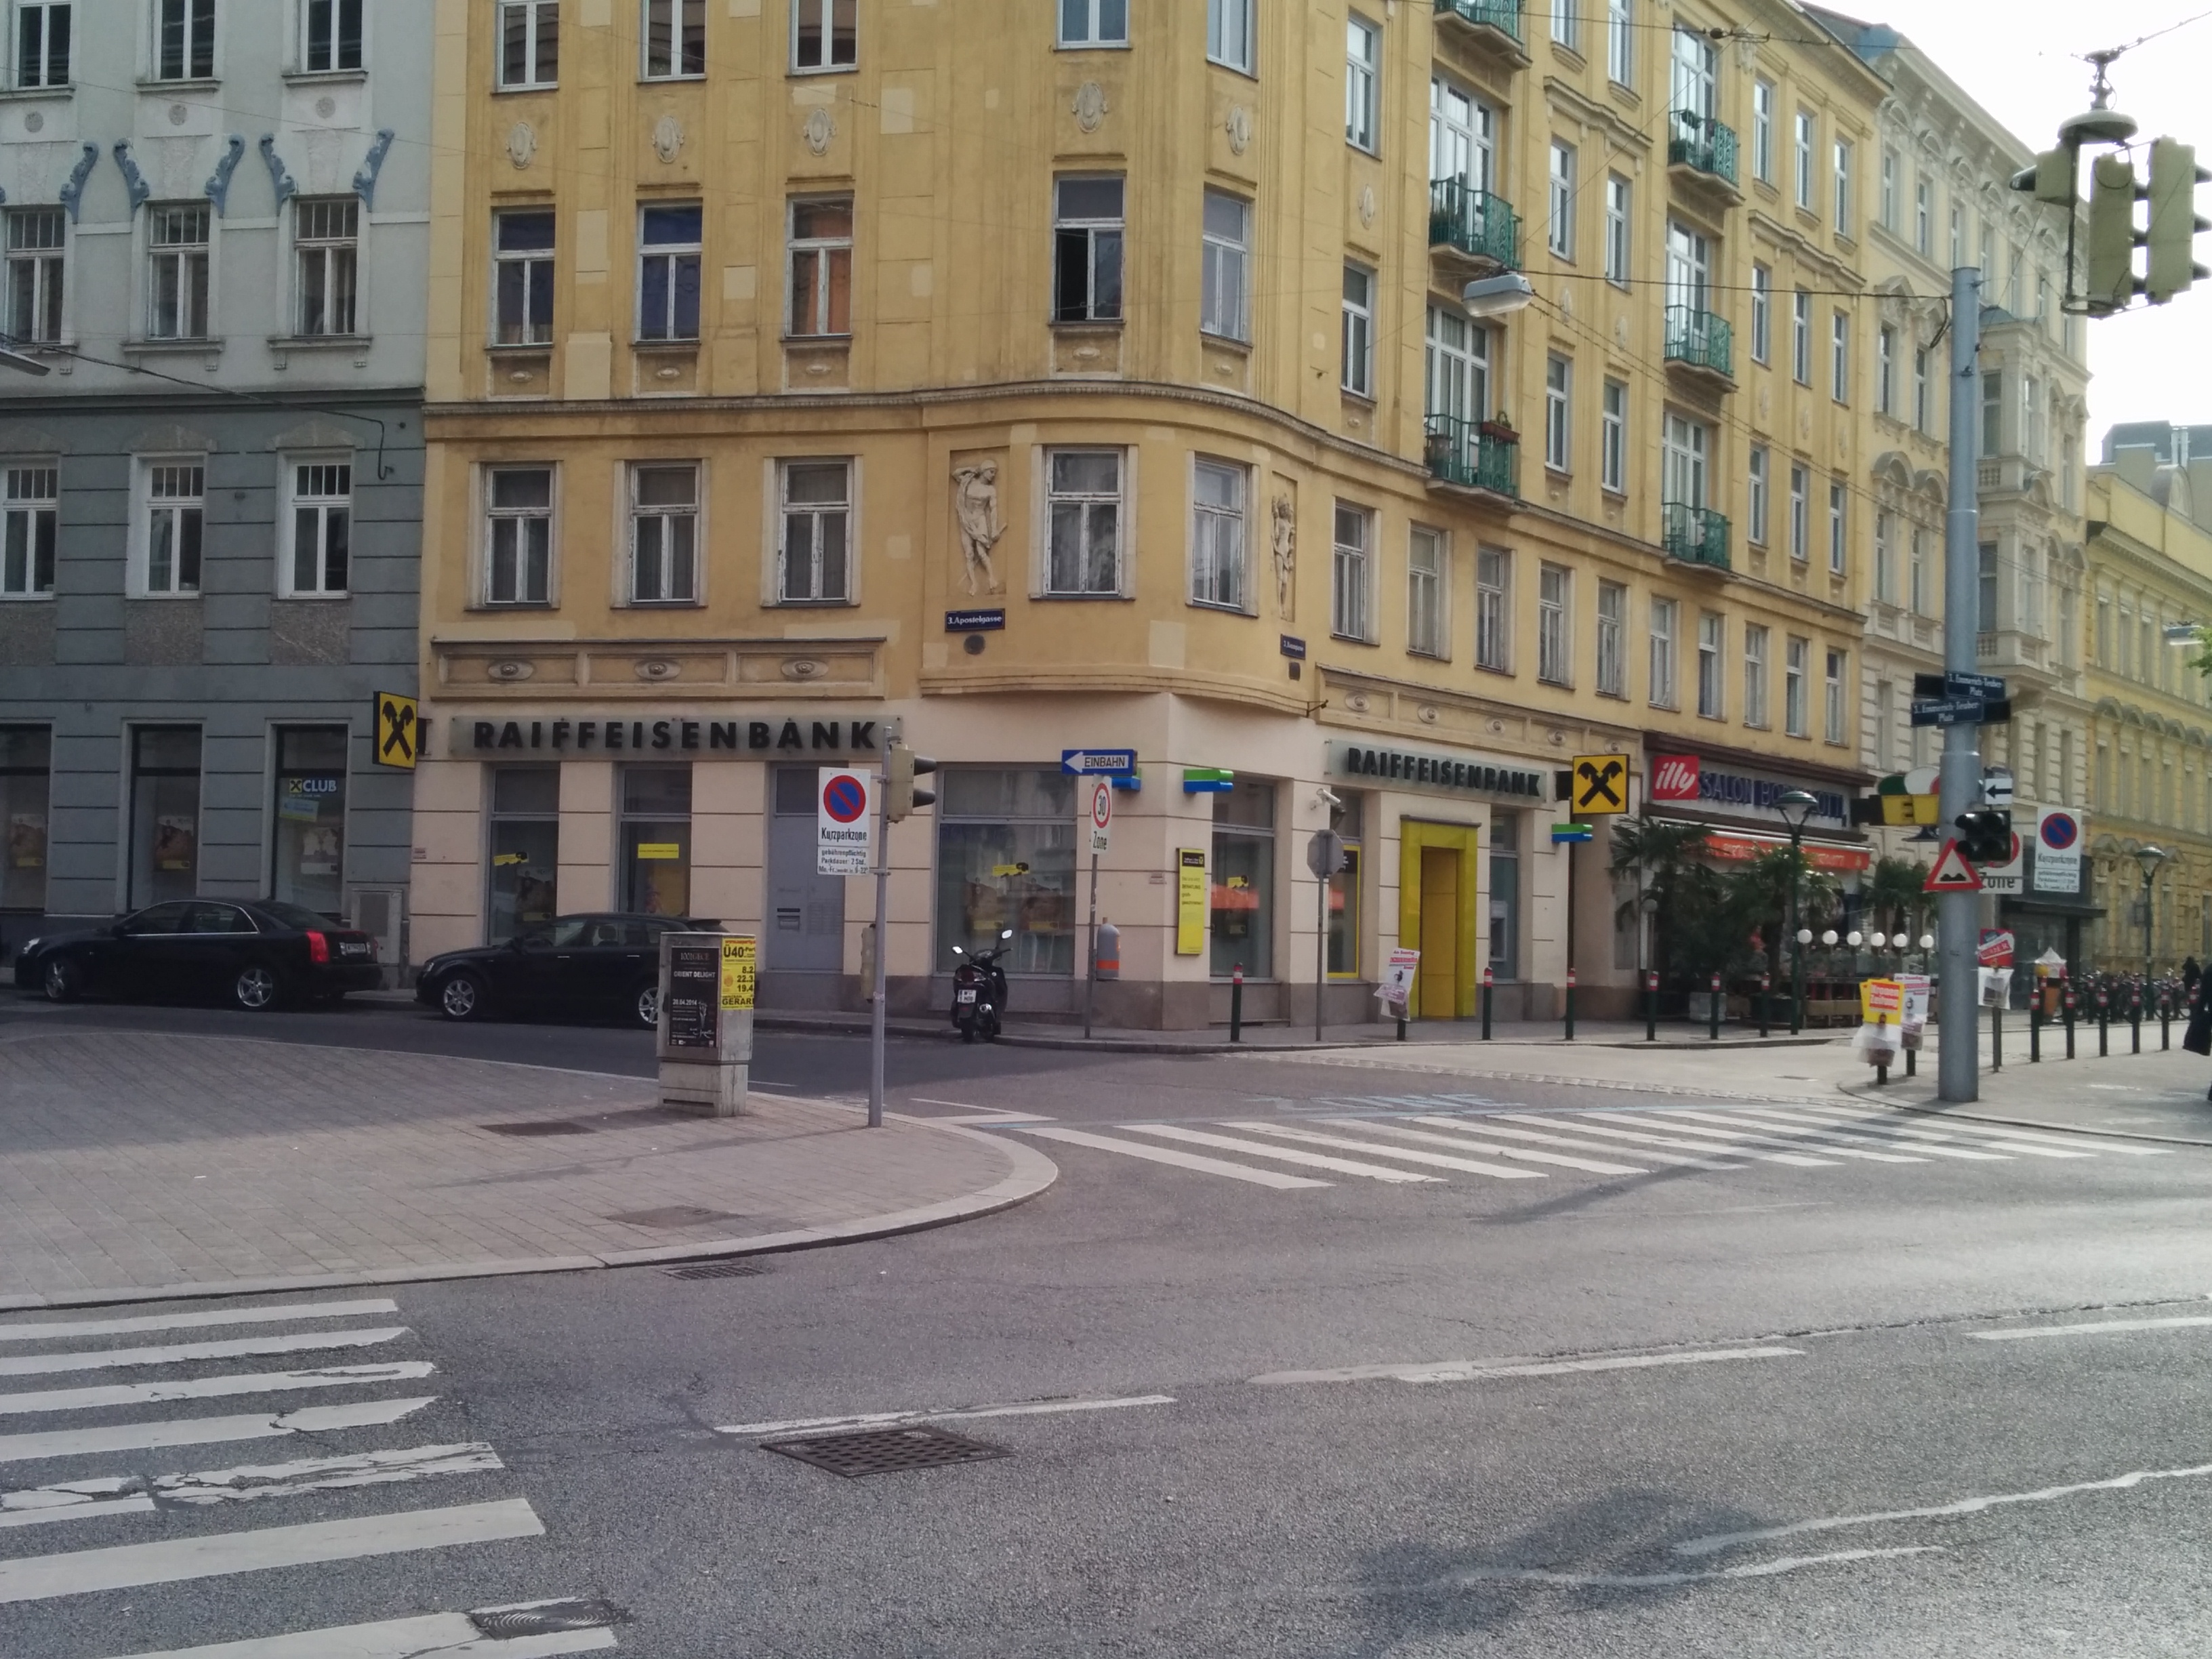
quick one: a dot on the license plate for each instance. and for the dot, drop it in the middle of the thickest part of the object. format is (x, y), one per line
(966, 995)
(349, 948)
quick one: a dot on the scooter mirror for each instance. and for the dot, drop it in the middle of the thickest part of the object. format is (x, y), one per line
(958, 952)
(1006, 933)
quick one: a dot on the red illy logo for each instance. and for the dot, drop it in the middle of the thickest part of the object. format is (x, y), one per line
(1674, 777)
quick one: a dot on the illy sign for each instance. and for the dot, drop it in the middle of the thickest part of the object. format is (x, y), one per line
(1686, 778)
(1675, 777)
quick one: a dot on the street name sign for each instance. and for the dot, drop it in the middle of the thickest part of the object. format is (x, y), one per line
(1948, 711)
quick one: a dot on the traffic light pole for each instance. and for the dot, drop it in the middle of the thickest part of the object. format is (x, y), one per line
(876, 998)
(1958, 1056)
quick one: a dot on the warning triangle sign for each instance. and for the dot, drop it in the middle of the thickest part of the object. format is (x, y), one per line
(1951, 873)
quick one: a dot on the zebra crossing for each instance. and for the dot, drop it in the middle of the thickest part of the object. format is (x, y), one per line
(112, 1481)
(1422, 1140)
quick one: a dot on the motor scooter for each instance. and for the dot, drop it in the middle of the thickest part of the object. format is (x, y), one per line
(979, 991)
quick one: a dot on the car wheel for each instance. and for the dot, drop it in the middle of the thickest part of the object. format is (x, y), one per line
(63, 981)
(647, 1006)
(462, 997)
(258, 989)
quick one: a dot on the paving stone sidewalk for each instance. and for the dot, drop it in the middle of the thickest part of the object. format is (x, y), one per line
(136, 1164)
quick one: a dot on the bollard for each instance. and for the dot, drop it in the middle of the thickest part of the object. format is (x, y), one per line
(1765, 985)
(2104, 1024)
(1997, 1037)
(2070, 1022)
(2035, 1028)
(1237, 1003)
(1488, 977)
(1713, 1010)
(2134, 1025)
(1571, 1005)
(1912, 1062)
(1651, 1005)
(2165, 1025)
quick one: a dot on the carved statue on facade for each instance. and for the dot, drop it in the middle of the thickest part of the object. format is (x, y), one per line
(975, 505)
(1283, 539)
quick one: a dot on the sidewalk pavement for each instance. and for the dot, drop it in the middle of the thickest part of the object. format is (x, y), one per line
(134, 1167)
(2151, 1096)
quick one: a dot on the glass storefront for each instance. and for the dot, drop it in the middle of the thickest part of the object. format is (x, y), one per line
(525, 849)
(1505, 897)
(310, 818)
(656, 839)
(164, 813)
(1005, 858)
(26, 775)
(1243, 899)
(1347, 818)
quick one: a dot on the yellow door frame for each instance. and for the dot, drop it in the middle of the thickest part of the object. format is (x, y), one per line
(1415, 838)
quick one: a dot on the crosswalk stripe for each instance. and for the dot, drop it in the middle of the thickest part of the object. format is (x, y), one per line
(101, 1359)
(210, 1387)
(1494, 1124)
(2078, 1146)
(32, 1509)
(1710, 1140)
(75, 1500)
(1981, 1135)
(202, 1430)
(1852, 1126)
(1640, 1139)
(1461, 1137)
(1213, 1166)
(1310, 1160)
(1434, 1160)
(185, 1322)
(41, 1577)
(1763, 1134)
(439, 1633)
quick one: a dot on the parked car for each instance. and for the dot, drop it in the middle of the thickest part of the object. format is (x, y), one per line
(587, 964)
(256, 954)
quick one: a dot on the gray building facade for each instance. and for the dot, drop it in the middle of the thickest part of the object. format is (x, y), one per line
(215, 228)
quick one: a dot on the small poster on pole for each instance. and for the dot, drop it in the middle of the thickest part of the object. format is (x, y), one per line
(1396, 990)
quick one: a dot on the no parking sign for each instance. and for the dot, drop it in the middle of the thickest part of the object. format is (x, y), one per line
(845, 824)
(2057, 851)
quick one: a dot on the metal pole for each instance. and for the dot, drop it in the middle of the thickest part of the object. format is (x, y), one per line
(1571, 1005)
(1485, 1004)
(1957, 1079)
(1237, 1003)
(1651, 1006)
(1796, 949)
(2070, 1021)
(1321, 953)
(1570, 942)
(1090, 973)
(882, 899)
(1713, 1011)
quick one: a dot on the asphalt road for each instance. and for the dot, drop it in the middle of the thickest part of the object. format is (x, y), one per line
(1744, 1400)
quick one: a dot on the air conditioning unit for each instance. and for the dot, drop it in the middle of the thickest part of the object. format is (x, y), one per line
(381, 913)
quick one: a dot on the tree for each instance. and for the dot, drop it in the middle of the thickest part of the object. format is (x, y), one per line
(1667, 860)
(1896, 888)
(1759, 892)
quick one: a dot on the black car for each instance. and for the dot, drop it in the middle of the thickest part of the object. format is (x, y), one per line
(602, 964)
(259, 954)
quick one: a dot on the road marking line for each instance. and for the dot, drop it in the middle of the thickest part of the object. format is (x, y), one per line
(1470, 1370)
(1310, 1160)
(1852, 1126)
(203, 1431)
(1640, 1140)
(1711, 1140)
(31, 1508)
(1664, 1580)
(75, 1500)
(438, 1633)
(2011, 1140)
(2097, 1329)
(1164, 1155)
(41, 1577)
(210, 1387)
(184, 1322)
(101, 1359)
(959, 1413)
(1763, 1134)
(1492, 1125)
(1462, 1134)
(1437, 1160)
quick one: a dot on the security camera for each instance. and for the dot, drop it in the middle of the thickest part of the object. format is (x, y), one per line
(1326, 796)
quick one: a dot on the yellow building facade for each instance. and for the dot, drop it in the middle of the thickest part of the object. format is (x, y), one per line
(1035, 378)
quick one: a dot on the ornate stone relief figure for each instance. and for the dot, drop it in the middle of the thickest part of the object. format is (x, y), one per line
(975, 505)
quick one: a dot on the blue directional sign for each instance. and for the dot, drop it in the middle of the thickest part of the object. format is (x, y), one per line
(1113, 763)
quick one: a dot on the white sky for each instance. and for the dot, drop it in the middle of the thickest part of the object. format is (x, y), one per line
(2151, 363)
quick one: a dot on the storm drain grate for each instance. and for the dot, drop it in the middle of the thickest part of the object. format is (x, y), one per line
(546, 1617)
(885, 1451)
(551, 1127)
(674, 1215)
(736, 1268)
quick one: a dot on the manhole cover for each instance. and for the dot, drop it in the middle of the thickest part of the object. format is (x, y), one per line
(736, 1268)
(885, 1451)
(674, 1215)
(546, 1617)
(553, 1127)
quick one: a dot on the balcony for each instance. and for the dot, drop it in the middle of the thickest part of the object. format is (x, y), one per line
(1701, 343)
(1468, 454)
(1695, 535)
(1474, 225)
(1702, 151)
(1492, 25)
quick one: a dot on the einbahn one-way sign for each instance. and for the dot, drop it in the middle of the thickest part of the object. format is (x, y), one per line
(1113, 763)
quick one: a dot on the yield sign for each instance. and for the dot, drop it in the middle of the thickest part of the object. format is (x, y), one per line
(1951, 873)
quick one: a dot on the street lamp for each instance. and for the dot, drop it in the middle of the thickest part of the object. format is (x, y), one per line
(1496, 296)
(2150, 858)
(1795, 806)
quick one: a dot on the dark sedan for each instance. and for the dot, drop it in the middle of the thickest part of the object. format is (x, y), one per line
(591, 964)
(255, 954)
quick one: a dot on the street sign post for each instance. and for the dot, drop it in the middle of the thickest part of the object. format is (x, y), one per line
(1098, 819)
(845, 838)
(1115, 762)
(1324, 857)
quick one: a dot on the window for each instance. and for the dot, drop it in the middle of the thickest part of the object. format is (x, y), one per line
(1612, 640)
(322, 529)
(1619, 41)
(330, 35)
(176, 496)
(1921, 413)
(165, 815)
(1985, 565)
(524, 846)
(1223, 273)
(1923, 217)
(1796, 663)
(1755, 479)
(177, 287)
(1800, 337)
(27, 770)
(37, 239)
(990, 820)
(1712, 640)
(528, 43)
(42, 44)
(664, 535)
(1458, 367)
(33, 510)
(1229, 33)
(1885, 370)
(1562, 199)
(184, 42)
(1801, 528)
(1993, 412)
(1350, 572)
(1427, 602)
(1683, 447)
(1754, 674)
(1462, 139)
(326, 254)
(1845, 216)
(1086, 250)
(1888, 205)
(1838, 544)
(1916, 573)
(1362, 49)
(1839, 358)
(1360, 330)
(668, 271)
(822, 267)
(1762, 313)
(1832, 723)
(656, 841)
(1612, 438)
(1084, 506)
(1885, 725)
(1616, 227)
(674, 39)
(1662, 653)
(1558, 412)
(2030, 418)
(1243, 899)
(1885, 571)
(1493, 609)
(1566, 23)
(1762, 132)
(1804, 159)
(519, 536)
(1094, 22)
(1219, 491)
(815, 557)
(309, 820)
(1554, 654)
(825, 34)
(522, 282)
(1958, 235)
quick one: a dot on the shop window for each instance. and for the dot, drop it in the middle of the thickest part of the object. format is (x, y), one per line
(33, 510)
(668, 243)
(310, 820)
(26, 784)
(664, 525)
(1006, 858)
(164, 813)
(825, 34)
(1243, 898)
(656, 839)
(525, 849)
(1348, 819)
(818, 517)
(1505, 897)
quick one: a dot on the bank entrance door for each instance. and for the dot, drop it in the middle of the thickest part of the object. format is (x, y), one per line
(1438, 977)
(806, 930)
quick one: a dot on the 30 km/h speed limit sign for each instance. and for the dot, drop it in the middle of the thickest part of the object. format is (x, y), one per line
(1100, 814)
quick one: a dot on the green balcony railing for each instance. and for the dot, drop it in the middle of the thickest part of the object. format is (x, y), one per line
(1700, 143)
(1461, 452)
(1504, 15)
(1475, 221)
(1695, 535)
(1700, 339)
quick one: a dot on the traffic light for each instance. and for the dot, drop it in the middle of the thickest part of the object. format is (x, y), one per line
(1985, 835)
(2174, 176)
(2052, 177)
(901, 767)
(2110, 282)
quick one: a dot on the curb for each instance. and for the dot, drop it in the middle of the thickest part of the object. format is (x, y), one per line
(1858, 1091)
